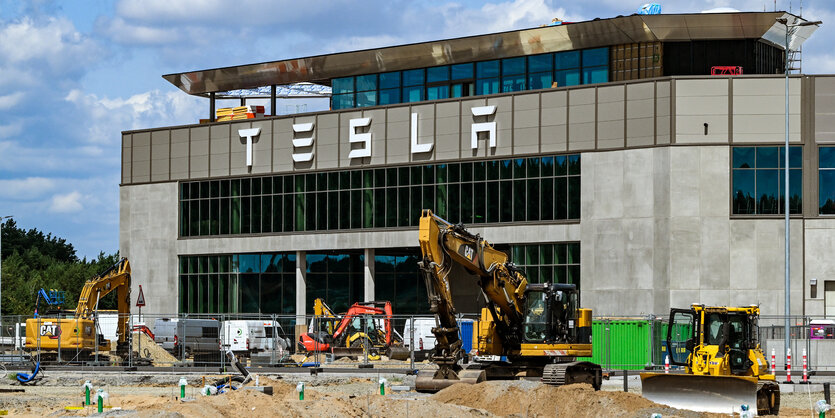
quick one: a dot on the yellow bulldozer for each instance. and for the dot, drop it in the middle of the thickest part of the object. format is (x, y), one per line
(724, 366)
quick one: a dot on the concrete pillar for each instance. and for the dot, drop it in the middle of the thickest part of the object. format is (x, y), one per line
(369, 275)
(301, 287)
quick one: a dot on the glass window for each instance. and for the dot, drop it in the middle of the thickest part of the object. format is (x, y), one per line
(567, 78)
(390, 80)
(513, 66)
(538, 63)
(436, 74)
(367, 98)
(595, 75)
(758, 182)
(461, 71)
(367, 82)
(389, 96)
(766, 157)
(566, 60)
(513, 83)
(437, 92)
(413, 77)
(487, 69)
(342, 101)
(412, 94)
(743, 194)
(743, 157)
(597, 56)
(540, 80)
(826, 199)
(767, 191)
(342, 85)
(826, 180)
(795, 157)
(487, 86)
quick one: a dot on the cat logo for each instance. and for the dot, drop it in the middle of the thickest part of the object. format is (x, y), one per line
(51, 331)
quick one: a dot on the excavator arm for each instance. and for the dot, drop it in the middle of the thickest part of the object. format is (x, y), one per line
(444, 245)
(116, 278)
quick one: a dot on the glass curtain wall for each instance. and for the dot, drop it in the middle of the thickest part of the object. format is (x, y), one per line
(337, 278)
(396, 279)
(487, 191)
(531, 72)
(549, 263)
(826, 180)
(758, 180)
(241, 283)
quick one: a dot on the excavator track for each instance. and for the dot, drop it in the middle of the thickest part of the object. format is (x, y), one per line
(559, 374)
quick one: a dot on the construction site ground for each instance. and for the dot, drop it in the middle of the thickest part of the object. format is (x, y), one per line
(353, 395)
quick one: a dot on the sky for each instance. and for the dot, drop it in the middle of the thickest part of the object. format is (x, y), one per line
(75, 74)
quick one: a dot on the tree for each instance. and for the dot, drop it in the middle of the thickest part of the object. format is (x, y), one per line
(32, 261)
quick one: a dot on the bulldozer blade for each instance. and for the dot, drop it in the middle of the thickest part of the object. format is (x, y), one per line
(720, 394)
(432, 381)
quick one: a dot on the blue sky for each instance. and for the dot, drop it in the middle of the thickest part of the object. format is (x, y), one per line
(74, 74)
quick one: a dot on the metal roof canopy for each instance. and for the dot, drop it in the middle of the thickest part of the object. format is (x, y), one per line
(321, 69)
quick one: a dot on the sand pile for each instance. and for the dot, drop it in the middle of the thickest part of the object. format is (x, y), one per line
(152, 350)
(534, 399)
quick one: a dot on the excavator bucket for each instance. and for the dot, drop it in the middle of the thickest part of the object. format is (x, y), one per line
(720, 394)
(434, 380)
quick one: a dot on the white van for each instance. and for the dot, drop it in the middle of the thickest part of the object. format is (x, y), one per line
(252, 336)
(424, 339)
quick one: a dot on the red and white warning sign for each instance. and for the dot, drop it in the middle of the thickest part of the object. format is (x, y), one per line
(140, 300)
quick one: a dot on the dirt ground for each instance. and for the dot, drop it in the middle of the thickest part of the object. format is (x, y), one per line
(345, 397)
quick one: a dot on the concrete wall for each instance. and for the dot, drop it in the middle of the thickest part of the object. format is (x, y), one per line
(656, 233)
(147, 237)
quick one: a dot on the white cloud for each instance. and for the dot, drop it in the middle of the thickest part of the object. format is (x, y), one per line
(10, 100)
(26, 188)
(54, 42)
(131, 33)
(66, 203)
(497, 17)
(106, 117)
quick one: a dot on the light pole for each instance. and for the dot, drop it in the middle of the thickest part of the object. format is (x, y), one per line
(2, 218)
(789, 27)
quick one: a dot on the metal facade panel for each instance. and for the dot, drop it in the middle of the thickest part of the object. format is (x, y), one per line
(397, 134)
(553, 127)
(610, 116)
(824, 109)
(179, 153)
(526, 124)
(447, 135)
(160, 155)
(283, 150)
(221, 139)
(127, 158)
(141, 157)
(640, 114)
(581, 119)
(199, 158)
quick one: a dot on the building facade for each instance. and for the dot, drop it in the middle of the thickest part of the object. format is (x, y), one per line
(606, 164)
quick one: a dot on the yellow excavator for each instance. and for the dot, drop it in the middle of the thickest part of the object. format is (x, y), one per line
(525, 329)
(724, 365)
(77, 336)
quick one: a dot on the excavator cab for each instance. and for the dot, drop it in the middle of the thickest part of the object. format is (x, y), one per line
(551, 313)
